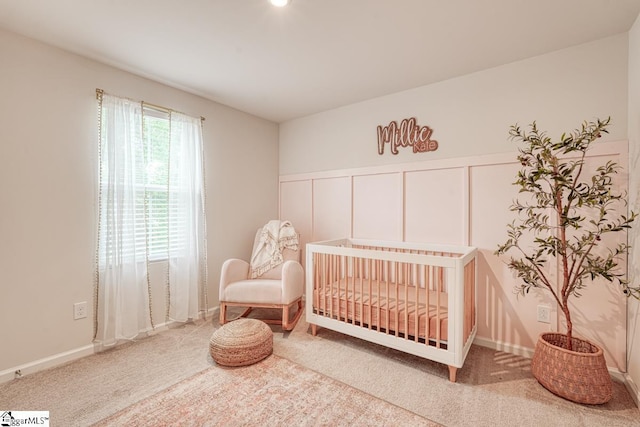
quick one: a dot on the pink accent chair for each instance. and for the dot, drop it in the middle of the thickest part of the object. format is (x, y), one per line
(281, 287)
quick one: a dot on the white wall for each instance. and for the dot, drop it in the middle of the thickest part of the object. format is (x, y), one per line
(633, 321)
(471, 116)
(48, 141)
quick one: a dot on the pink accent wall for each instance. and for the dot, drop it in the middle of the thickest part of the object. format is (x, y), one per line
(436, 206)
(377, 206)
(331, 208)
(455, 201)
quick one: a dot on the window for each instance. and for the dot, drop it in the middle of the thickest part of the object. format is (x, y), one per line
(156, 139)
(151, 207)
(150, 167)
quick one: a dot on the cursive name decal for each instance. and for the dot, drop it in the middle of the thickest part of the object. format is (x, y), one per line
(407, 133)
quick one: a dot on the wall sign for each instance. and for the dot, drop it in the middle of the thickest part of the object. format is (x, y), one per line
(407, 133)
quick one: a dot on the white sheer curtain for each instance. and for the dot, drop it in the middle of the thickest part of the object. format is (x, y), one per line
(137, 213)
(122, 305)
(187, 260)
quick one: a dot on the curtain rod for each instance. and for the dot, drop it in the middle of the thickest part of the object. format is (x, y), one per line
(100, 92)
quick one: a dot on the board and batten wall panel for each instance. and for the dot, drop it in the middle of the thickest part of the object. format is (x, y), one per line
(509, 319)
(377, 206)
(435, 206)
(503, 317)
(457, 201)
(331, 208)
(296, 205)
(608, 324)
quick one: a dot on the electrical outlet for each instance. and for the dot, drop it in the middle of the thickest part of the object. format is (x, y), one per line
(544, 314)
(80, 310)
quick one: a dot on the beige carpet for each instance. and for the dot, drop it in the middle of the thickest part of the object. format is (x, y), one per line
(273, 392)
(493, 388)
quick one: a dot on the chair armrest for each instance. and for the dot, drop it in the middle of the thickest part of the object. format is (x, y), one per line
(292, 281)
(233, 270)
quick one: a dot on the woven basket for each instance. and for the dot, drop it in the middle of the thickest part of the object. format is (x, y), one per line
(580, 375)
(241, 342)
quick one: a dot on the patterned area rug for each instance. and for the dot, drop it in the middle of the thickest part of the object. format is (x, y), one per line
(272, 392)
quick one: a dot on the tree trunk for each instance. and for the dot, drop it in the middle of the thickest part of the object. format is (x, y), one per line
(567, 315)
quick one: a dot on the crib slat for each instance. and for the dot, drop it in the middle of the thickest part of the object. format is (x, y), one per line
(325, 280)
(472, 284)
(331, 282)
(369, 275)
(397, 310)
(347, 296)
(338, 286)
(354, 262)
(406, 301)
(361, 275)
(378, 301)
(438, 326)
(469, 298)
(387, 273)
(316, 280)
(323, 275)
(416, 332)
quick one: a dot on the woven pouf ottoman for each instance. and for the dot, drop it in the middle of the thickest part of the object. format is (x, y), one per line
(241, 342)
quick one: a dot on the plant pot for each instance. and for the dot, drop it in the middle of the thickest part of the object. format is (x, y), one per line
(580, 375)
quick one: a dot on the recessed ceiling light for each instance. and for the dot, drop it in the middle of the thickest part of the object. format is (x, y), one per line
(279, 3)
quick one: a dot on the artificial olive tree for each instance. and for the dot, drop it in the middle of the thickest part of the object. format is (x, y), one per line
(566, 213)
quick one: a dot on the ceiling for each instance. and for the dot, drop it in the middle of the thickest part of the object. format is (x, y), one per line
(313, 55)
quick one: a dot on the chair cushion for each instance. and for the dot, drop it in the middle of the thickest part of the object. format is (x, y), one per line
(260, 291)
(241, 342)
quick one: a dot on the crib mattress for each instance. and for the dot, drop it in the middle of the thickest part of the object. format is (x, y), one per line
(395, 308)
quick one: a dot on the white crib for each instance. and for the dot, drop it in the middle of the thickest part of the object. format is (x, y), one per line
(413, 297)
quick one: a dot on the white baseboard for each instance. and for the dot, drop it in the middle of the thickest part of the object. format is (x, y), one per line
(71, 355)
(45, 363)
(501, 346)
(633, 389)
